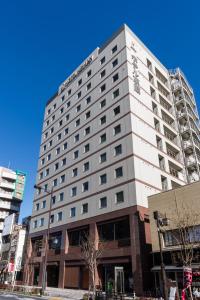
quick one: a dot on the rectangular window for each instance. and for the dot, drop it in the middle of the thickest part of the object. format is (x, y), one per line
(103, 73)
(41, 222)
(51, 219)
(87, 130)
(56, 166)
(87, 148)
(59, 217)
(85, 186)
(103, 179)
(85, 208)
(76, 138)
(103, 88)
(59, 136)
(50, 143)
(42, 161)
(76, 154)
(74, 191)
(74, 172)
(102, 61)
(49, 157)
(88, 100)
(55, 182)
(47, 172)
(115, 93)
(61, 110)
(118, 150)
(117, 129)
(67, 117)
(61, 197)
(78, 108)
(44, 204)
(68, 104)
(63, 98)
(115, 63)
(103, 157)
(103, 138)
(103, 120)
(120, 197)
(89, 73)
(103, 103)
(65, 146)
(119, 172)
(103, 202)
(66, 131)
(116, 110)
(114, 49)
(80, 81)
(53, 200)
(37, 207)
(52, 130)
(60, 123)
(73, 212)
(64, 161)
(88, 87)
(69, 92)
(58, 151)
(86, 166)
(35, 224)
(115, 77)
(87, 115)
(62, 178)
(77, 122)
(79, 95)
(41, 175)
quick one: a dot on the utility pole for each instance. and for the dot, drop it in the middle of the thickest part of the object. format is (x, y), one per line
(160, 222)
(46, 246)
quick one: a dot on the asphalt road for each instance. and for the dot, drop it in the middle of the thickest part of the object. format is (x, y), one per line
(6, 296)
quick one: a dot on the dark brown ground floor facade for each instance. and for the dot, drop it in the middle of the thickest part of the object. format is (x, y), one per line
(124, 263)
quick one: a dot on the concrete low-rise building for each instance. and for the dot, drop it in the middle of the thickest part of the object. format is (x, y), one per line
(181, 207)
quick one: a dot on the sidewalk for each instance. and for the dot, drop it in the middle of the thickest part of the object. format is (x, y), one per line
(65, 293)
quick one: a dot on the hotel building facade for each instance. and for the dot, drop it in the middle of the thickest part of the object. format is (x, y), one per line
(112, 136)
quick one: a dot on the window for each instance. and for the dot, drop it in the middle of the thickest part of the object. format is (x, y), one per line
(118, 150)
(89, 73)
(85, 186)
(59, 217)
(77, 122)
(80, 81)
(41, 222)
(53, 200)
(60, 123)
(41, 175)
(86, 166)
(73, 212)
(66, 131)
(114, 49)
(87, 130)
(103, 103)
(53, 117)
(65, 146)
(68, 104)
(119, 172)
(117, 129)
(55, 182)
(56, 166)
(88, 87)
(50, 143)
(103, 202)
(64, 161)
(116, 110)
(115, 77)
(69, 92)
(44, 204)
(37, 206)
(61, 197)
(102, 61)
(76, 154)
(74, 191)
(51, 219)
(62, 178)
(87, 148)
(63, 98)
(35, 224)
(74, 172)
(49, 111)
(84, 208)
(120, 197)
(67, 117)
(58, 151)
(47, 122)
(44, 147)
(47, 172)
(103, 138)
(103, 73)
(46, 135)
(103, 179)
(61, 110)
(79, 95)
(76, 138)
(103, 120)
(78, 108)
(115, 63)
(45, 187)
(49, 157)
(59, 136)
(115, 93)
(87, 115)
(103, 157)
(88, 100)
(103, 88)
(52, 130)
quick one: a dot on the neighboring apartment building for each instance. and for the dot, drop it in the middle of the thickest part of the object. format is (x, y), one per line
(181, 204)
(13, 250)
(11, 193)
(110, 139)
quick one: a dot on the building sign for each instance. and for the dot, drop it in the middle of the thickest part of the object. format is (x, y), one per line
(135, 74)
(75, 74)
(19, 185)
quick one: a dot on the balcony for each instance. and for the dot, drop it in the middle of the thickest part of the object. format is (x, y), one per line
(175, 171)
(7, 185)
(5, 195)
(9, 175)
(188, 146)
(191, 162)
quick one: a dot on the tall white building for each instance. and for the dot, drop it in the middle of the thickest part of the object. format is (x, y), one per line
(111, 137)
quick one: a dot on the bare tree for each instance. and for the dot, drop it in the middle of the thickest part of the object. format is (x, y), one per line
(91, 251)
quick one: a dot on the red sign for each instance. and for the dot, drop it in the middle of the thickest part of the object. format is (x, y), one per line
(11, 267)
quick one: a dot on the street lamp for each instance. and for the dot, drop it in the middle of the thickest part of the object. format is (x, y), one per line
(160, 222)
(44, 271)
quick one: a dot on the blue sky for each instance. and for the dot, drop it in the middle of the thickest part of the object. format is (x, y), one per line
(43, 41)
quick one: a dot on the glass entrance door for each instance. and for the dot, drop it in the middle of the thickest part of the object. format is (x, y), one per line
(119, 280)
